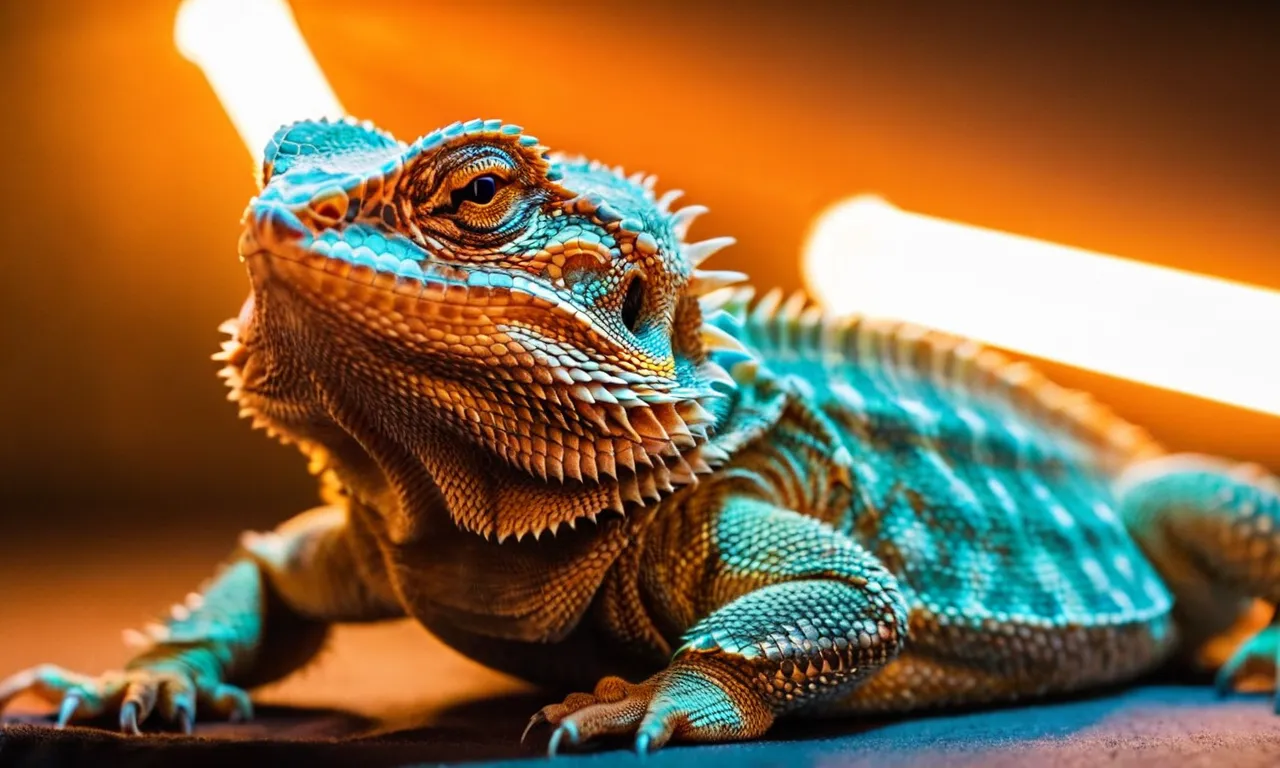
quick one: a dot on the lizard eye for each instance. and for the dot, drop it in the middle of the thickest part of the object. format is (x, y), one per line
(481, 190)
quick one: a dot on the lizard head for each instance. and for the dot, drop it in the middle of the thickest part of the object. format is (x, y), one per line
(519, 325)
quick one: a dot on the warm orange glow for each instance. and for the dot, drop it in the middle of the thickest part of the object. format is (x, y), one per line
(1181, 331)
(257, 62)
(1173, 329)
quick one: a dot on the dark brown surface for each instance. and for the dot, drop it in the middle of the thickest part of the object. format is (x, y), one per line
(392, 695)
(1158, 726)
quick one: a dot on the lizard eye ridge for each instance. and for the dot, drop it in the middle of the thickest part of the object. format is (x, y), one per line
(481, 190)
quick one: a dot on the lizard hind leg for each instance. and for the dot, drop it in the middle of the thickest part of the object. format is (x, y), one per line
(1212, 528)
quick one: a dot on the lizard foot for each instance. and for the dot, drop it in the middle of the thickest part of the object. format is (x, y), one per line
(133, 694)
(1259, 655)
(689, 701)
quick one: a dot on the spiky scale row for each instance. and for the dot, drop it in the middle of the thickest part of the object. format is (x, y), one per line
(790, 327)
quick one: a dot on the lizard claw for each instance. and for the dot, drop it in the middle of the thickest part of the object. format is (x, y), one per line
(566, 729)
(232, 702)
(185, 719)
(129, 718)
(642, 744)
(537, 719)
(70, 703)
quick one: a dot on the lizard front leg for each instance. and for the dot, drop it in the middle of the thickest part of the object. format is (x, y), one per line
(265, 614)
(789, 613)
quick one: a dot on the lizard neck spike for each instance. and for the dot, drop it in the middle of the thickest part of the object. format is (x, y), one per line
(663, 203)
(703, 282)
(682, 219)
(701, 251)
(717, 300)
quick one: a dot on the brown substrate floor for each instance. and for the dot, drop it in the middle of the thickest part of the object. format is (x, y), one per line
(392, 695)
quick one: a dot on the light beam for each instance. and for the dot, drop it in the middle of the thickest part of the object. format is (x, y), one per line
(1173, 329)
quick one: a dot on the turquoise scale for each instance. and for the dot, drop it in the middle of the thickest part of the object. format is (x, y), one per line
(980, 509)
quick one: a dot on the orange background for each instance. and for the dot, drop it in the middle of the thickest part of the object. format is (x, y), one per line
(1145, 134)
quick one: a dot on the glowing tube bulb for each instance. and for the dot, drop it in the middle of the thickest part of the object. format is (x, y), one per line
(1191, 333)
(257, 62)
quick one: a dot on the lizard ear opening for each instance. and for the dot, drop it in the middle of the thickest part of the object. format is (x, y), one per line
(633, 303)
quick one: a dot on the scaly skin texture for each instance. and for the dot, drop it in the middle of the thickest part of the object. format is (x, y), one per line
(546, 433)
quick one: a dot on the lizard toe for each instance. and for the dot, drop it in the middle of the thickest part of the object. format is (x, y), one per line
(686, 701)
(78, 696)
(1258, 656)
(140, 696)
(177, 701)
(231, 703)
(614, 707)
(131, 696)
(612, 718)
(689, 704)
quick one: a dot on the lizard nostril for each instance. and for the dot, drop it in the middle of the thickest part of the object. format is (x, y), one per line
(632, 303)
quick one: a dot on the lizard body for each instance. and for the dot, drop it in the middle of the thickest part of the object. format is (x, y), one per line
(545, 432)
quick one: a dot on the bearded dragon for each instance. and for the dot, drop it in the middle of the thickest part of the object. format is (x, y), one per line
(547, 433)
